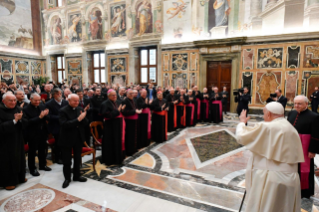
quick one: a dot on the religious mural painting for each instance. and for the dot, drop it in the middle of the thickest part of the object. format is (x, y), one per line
(166, 82)
(118, 65)
(311, 58)
(293, 56)
(179, 62)
(21, 67)
(166, 61)
(24, 78)
(56, 31)
(74, 27)
(45, 68)
(218, 17)
(179, 80)
(69, 2)
(291, 87)
(5, 65)
(95, 24)
(74, 67)
(118, 79)
(75, 80)
(177, 18)
(310, 80)
(192, 80)
(118, 20)
(36, 68)
(144, 18)
(270, 58)
(248, 59)
(267, 83)
(16, 24)
(90, 69)
(247, 80)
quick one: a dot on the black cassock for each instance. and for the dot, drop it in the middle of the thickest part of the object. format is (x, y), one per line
(314, 101)
(180, 109)
(143, 118)
(171, 113)
(216, 108)
(131, 122)
(159, 120)
(307, 122)
(191, 117)
(112, 147)
(204, 107)
(12, 155)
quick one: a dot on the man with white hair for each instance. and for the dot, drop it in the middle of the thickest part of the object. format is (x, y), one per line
(73, 121)
(272, 179)
(306, 123)
(36, 133)
(12, 156)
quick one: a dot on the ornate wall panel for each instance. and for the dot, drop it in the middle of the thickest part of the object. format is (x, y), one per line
(310, 81)
(267, 83)
(269, 58)
(311, 57)
(118, 69)
(248, 59)
(293, 56)
(291, 86)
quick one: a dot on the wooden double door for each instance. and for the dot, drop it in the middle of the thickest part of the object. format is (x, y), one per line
(219, 75)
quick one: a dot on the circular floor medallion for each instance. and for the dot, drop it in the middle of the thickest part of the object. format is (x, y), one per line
(31, 200)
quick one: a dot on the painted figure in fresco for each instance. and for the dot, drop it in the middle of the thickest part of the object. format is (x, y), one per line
(56, 31)
(222, 11)
(118, 65)
(144, 15)
(73, 33)
(95, 24)
(177, 9)
(118, 79)
(118, 22)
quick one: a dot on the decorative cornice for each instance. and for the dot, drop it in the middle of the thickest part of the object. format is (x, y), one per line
(221, 42)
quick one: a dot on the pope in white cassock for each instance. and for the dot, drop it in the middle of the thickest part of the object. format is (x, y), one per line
(272, 180)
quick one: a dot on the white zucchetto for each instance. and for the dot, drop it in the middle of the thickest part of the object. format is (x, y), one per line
(275, 108)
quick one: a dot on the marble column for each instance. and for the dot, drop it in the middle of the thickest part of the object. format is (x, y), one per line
(255, 10)
(311, 14)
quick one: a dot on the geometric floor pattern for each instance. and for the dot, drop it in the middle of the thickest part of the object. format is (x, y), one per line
(198, 169)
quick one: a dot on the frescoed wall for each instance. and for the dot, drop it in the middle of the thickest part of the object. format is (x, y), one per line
(74, 72)
(118, 69)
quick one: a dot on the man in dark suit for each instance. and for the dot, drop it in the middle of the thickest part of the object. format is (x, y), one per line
(36, 133)
(83, 103)
(54, 105)
(96, 102)
(280, 98)
(47, 92)
(243, 100)
(20, 98)
(72, 120)
(315, 100)
(121, 96)
(225, 95)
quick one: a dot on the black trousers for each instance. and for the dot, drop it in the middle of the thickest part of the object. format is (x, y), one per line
(314, 105)
(57, 148)
(67, 160)
(41, 146)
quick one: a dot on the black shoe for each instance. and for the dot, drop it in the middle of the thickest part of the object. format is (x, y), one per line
(80, 179)
(66, 183)
(60, 162)
(45, 168)
(34, 173)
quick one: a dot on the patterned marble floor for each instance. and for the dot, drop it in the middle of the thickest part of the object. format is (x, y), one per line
(199, 169)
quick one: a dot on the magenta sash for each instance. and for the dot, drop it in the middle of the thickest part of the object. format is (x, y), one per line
(123, 129)
(192, 114)
(198, 109)
(148, 112)
(207, 107)
(218, 102)
(305, 166)
(132, 117)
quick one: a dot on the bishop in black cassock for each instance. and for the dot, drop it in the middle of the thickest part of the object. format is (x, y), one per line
(306, 123)
(204, 108)
(172, 100)
(130, 113)
(159, 118)
(113, 143)
(315, 100)
(12, 155)
(216, 110)
(190, 103)
(144, 131)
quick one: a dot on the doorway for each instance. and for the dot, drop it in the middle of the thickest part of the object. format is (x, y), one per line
(219, 75)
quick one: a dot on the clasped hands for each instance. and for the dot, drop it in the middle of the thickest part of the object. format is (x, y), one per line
(44, 113)
(18, 116)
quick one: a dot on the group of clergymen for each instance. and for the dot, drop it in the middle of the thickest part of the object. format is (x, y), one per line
(30, 114)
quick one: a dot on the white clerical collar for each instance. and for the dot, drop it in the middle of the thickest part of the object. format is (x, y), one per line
(60, 103)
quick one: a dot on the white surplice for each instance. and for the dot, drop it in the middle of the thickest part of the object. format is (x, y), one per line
(272, 180)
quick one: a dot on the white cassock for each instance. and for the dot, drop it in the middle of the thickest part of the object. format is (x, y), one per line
(272, 180)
